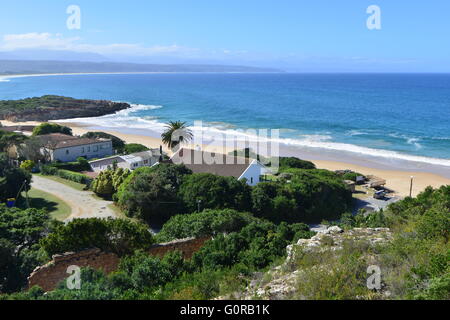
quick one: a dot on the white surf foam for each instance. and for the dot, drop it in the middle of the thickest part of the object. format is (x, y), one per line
(126, 120)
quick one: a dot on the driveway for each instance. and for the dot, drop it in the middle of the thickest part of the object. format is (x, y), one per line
(82, 203)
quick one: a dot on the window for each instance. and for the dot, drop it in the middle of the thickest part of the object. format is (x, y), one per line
(89, 149)
(251, 180)
(95, 148)
(67, 151)
(145, 161)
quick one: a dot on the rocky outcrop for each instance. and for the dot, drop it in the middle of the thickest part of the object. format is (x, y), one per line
(55, 108)
(280, 283)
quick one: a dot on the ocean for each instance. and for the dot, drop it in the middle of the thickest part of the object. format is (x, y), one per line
(385, 118)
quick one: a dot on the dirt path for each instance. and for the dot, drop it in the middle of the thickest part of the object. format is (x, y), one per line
(82, 203)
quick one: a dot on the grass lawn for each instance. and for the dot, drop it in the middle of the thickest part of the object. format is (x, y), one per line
(57, 208)
(72, 184)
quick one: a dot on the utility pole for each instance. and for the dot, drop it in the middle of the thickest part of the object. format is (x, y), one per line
(410, 187)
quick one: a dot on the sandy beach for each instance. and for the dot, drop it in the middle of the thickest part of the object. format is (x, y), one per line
(396, 180)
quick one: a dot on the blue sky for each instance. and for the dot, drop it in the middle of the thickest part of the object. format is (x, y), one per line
(299, 35)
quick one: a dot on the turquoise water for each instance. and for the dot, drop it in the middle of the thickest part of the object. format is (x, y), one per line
(392, 115)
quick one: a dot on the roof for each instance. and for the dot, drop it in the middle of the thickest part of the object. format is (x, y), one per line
(215, 163)
(132, 157)
(59, 140)
(141, 156)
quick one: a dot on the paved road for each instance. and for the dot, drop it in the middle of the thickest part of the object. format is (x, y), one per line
(82, 203)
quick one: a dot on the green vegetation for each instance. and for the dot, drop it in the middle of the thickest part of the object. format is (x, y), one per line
(108, 182)
(20, 253)
(176, 133)
(47, 128)
(155, 194)
(111, 235)
(295, 163)
(44, 102)
(205, 223)
(219, 267)
(133, 148)
(10, 139)
(311, 195)
(214, 192)
(415, 264)
(27, 165)
(12, 179)
(47, 170)
(151, 193)
(77, 166)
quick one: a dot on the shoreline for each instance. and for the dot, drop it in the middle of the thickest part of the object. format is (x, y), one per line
(396, 180)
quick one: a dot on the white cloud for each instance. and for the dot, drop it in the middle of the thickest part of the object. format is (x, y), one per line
(59, 42)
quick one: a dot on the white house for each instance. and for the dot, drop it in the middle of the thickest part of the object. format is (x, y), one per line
(129, 161)
(65, 148)
(220, 164)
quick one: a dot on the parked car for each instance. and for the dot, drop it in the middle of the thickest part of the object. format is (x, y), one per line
(379, 194)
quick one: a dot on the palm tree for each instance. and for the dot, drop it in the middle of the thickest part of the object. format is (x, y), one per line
(175, 134)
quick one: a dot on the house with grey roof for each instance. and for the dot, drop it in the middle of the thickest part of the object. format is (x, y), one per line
(130, 161)
(220, 164)
(65, 148)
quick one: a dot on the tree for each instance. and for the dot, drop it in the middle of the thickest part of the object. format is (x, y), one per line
(32, 150)
(47, 128)
(176, 133)
(12, 179)
(205, 223)
(103, 183)
(114, 235)
(10, 139)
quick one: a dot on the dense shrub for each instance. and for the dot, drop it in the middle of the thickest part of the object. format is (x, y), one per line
(116, 235)
(109, 181)
(47, 128)
(66, 174)
(151, 193)
(214, 192)
(292, 162)
(133, 148)
(20, 232)
(255, 246)
(205, 223)
(311, 196)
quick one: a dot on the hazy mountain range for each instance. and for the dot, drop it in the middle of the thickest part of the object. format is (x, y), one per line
(58, 61)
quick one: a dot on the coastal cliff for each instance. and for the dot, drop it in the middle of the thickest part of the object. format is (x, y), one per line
(56, 107)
